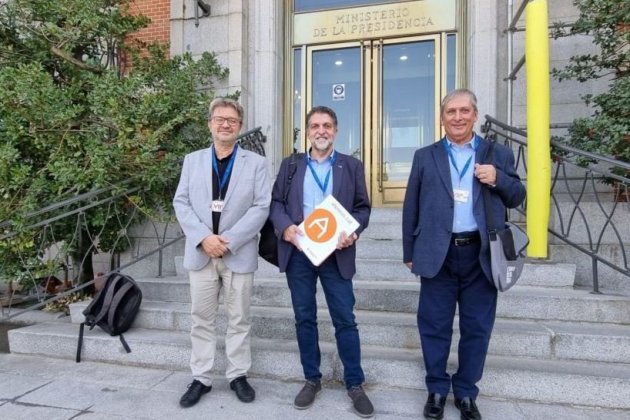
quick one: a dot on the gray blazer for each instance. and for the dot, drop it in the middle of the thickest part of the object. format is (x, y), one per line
(246, 208)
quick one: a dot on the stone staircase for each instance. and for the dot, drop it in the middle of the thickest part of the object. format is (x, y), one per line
(552, 343)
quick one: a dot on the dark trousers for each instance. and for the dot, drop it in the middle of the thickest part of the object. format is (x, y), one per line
(302, 278)
(460, 282)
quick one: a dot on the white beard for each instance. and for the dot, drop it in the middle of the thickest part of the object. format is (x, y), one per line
(322, 145)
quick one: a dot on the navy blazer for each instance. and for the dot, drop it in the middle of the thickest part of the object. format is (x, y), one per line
(349, 189)
(429, 205)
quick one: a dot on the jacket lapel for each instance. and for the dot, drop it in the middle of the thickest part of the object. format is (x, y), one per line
(337, 174)
(239, 165)
(443, 165)
(207, 170)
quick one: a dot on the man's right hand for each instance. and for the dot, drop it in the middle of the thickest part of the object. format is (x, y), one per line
(215, 246)
(291, 234)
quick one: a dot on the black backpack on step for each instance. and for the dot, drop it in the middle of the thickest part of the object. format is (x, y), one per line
(113, 308)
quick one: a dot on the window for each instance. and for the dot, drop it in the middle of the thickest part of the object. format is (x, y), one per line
(312, 5)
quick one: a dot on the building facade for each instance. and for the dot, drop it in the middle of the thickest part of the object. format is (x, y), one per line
(382, 65)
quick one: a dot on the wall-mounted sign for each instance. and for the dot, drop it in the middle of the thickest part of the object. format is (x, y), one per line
(339, 92)
(394, 19)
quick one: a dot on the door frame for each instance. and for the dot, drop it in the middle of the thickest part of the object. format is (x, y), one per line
(316, 28)
(382, 193)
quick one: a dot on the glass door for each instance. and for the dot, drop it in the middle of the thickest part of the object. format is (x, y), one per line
(406, 110)
(386, 96)
(336, 81)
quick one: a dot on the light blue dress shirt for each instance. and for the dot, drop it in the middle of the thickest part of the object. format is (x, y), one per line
(463, 220)
(313, 194)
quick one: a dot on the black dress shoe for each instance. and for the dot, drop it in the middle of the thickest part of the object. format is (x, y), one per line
(243, 389)
(434, 407)
(195, 390)
(467, 408)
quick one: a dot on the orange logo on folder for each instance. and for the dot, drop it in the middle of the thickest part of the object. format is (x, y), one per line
(320, 225)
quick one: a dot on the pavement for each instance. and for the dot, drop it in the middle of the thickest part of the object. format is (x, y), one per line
(36, 387)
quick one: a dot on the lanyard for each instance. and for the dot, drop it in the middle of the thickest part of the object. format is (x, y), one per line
(319, 182)
(228, 170)
(447, 147)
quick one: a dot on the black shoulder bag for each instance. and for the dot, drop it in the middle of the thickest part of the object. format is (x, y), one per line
(268, 244)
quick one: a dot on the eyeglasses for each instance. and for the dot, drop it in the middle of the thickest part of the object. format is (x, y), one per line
(221, 120)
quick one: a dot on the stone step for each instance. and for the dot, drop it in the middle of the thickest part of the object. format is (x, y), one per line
(387, 223)
(520, 302)
(537, 339)
(561, 382)
(377, 267)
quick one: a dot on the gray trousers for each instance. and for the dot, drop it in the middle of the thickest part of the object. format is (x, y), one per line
(205, 285)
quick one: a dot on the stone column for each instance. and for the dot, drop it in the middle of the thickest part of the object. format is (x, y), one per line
(266, 70)
(481, 44)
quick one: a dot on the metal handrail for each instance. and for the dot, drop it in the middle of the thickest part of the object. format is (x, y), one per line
(40, 223)
(583, 185)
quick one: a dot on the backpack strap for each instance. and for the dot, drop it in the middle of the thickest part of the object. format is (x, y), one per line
(293, 162)
(124, 343)
(80, 343)
(116, 301)
(111, 288)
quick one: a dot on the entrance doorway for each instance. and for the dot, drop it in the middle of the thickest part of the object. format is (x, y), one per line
(383, 67)
(386, 95)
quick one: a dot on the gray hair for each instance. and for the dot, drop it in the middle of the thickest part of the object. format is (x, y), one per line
(456, 94)
(322, 110)
(225, 102)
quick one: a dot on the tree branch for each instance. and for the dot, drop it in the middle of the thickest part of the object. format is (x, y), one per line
(67, 57)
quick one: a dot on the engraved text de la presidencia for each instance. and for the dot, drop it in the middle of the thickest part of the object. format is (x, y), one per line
(373, 23)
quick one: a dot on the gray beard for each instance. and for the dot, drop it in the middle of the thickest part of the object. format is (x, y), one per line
(322, 147)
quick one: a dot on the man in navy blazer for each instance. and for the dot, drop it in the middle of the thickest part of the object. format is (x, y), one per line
(304, 180)
(445, 242)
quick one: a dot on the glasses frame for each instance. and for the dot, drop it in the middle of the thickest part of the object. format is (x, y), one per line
(232, 122)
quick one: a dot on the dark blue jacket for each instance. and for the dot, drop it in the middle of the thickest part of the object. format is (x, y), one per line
(349, 189)
(429, 205)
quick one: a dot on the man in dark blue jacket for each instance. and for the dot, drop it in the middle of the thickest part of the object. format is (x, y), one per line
(304, 180)
(445, 242)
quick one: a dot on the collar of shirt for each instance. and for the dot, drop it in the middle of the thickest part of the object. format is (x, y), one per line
(473, 143)
(330, 158)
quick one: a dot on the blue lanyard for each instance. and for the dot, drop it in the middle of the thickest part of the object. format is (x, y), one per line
(448, 146)
(228, 170)
(319, 182)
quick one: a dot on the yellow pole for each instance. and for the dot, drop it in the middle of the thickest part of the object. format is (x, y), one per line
(538, 153)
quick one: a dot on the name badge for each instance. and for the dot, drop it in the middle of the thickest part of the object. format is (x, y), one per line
(461, 196)
(217, 206)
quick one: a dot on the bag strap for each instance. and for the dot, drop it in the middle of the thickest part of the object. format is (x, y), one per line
(116, 301)
(80, 343)
(124, 343)
(293, 166)
(485, 189)
(111, 288)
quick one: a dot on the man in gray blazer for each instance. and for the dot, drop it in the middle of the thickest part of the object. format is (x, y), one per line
(221, 203)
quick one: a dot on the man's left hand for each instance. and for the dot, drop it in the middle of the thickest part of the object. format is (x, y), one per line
(486, 174)
(346, 240)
